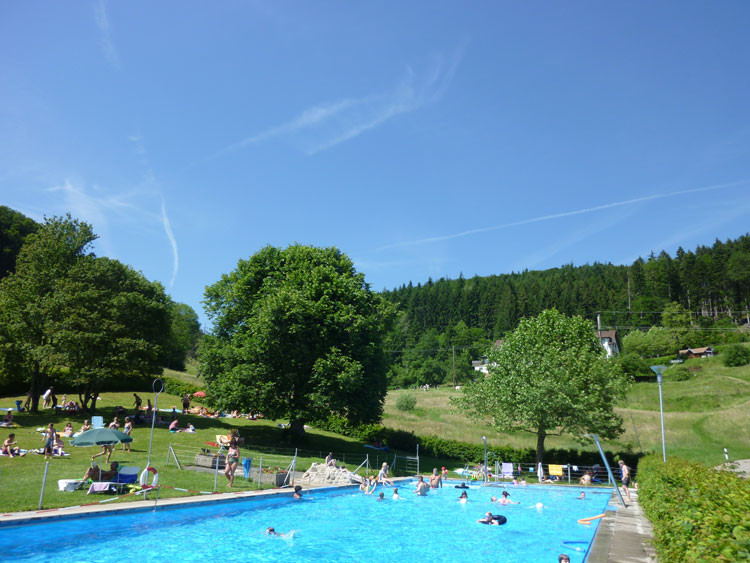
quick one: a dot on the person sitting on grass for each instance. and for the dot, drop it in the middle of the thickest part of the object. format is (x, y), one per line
(9, 449)
(84, 427)
(96, 474)
(174, 426)
(68, 430)
(8, 419)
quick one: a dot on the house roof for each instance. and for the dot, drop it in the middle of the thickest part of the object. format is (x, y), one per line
(697, 350)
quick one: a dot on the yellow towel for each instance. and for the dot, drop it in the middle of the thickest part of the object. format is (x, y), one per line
(556, 470)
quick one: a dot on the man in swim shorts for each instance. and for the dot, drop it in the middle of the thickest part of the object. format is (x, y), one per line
(435, 480)
(625, 470)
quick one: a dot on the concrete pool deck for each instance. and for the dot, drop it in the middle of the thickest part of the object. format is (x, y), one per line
(624, 535)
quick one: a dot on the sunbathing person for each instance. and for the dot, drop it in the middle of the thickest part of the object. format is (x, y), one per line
(68, 430)
(85, 427)
(10, 447)
(8, 419)
(96, 474)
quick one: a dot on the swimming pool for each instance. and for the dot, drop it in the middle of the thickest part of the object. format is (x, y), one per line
(332, 525)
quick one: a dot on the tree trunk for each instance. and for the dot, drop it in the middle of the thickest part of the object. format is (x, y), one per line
(36, 377)
(540, 436)
(297, 427)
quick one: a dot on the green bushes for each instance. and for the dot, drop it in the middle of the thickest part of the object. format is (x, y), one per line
(735, 355)
(678, 372)
(698, 514)
(180, 388)
(406, 402)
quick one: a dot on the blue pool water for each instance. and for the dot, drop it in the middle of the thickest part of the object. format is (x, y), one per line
(331, 526)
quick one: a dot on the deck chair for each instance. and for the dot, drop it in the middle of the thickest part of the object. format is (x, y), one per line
(97, 422)
(506, 470)
(126, 475)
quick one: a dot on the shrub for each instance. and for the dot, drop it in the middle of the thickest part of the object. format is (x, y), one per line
(406, 402)
(176, 387)
(735, 356)
(678, 373)
(635, 366)
(698, 514)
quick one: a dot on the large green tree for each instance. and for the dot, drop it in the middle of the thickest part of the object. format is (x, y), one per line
(550, 376)
(115, 324)
(297, 333)
(28, 302)
(66, 314)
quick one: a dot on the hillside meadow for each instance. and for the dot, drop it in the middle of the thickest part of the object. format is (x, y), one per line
(703, 415)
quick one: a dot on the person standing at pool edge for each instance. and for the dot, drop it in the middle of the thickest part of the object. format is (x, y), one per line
(625, 470)
(383, 476)
(233, 457)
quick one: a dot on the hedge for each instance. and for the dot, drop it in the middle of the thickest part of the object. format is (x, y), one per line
(435, 446)
(698, 514)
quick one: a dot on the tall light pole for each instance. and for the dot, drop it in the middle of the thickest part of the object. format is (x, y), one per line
(484, 472)
(659, 370)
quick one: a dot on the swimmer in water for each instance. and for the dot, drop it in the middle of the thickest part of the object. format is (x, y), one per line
(271, 532)
(582, 496)
(297, 492)
(395, 494)
(492, 519)
(464, 497)
(381, 497)
(504, 500)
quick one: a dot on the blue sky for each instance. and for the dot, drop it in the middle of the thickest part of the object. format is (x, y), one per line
(424, 139)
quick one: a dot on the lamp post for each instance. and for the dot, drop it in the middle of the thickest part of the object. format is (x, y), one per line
(659, 370)
(484, 471)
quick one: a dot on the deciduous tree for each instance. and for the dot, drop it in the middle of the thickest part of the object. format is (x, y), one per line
(550, 376)
(297, 334)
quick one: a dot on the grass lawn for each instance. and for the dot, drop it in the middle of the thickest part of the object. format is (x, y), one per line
(21, 477)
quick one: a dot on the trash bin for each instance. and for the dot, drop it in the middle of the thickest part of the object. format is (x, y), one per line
(246, 464)
(19, 406)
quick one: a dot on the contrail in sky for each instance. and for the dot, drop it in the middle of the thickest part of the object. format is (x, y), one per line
(559, 215)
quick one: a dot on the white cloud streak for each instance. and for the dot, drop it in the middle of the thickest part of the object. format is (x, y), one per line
(100, 210)
(323, 126)
(173, 242)
(105, 36)
(539, 219)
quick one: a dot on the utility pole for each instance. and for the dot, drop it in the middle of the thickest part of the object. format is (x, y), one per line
(453, 348)
(628, 289)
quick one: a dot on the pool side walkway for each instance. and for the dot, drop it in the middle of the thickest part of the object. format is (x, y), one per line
(624, 536)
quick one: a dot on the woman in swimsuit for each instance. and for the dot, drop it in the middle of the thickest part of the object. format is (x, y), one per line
(233, 457)
(49, 440)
